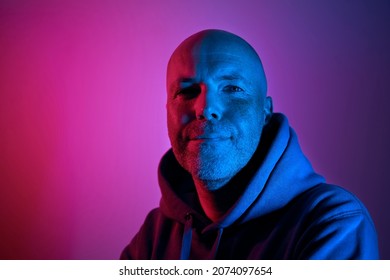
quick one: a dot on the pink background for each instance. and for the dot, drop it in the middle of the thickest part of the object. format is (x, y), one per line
(82, 108)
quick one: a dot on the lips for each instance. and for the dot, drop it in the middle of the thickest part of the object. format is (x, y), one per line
(209, 137)
(207, 132)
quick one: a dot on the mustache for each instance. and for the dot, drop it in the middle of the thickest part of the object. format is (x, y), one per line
(197, 129)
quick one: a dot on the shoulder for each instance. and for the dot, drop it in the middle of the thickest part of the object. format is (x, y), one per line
(152, 222)
(139, 247)
(336, 225)
(327, 202)
(153, 215)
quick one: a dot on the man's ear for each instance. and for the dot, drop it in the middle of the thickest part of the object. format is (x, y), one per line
(268, 109)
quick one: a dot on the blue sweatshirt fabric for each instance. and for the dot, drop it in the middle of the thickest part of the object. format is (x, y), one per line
(286, 211)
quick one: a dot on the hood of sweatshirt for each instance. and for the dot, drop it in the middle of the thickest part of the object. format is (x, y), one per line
(281, 173)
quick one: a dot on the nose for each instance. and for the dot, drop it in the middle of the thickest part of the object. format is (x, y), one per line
(208, 104)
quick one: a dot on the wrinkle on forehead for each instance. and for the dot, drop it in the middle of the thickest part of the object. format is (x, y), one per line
(208, 44)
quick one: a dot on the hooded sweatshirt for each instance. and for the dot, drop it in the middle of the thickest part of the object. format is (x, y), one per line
(286, 211)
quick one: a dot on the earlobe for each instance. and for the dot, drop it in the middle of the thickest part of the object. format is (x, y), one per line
(268, 109)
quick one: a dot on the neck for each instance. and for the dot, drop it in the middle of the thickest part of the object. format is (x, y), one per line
(216, 197)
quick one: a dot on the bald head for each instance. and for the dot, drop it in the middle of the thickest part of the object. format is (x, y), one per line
(200, 46)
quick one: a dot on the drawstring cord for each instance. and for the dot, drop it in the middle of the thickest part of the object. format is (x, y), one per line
(187, 238)
(214, 250)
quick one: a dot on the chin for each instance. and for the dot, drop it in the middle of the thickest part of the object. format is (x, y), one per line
(215, 167)
(213, 173)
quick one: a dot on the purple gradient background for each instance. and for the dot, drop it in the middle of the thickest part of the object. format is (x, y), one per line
(82, 108)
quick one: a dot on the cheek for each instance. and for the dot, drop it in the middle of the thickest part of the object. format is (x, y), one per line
(246, 111)
(179, 114)
(177, 117)
(248, 118)
(184, 119)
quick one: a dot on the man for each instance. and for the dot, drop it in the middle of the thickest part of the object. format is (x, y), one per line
(235, 184)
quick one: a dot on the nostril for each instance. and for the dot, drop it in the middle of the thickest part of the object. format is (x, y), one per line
(207, 115)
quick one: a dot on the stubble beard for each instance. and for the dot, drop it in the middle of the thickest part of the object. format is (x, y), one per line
(213, 167)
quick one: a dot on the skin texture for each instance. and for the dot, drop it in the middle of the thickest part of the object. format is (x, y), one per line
(216, 110)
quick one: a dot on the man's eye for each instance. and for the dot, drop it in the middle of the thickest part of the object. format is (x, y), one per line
(189, 92)
(231, 88)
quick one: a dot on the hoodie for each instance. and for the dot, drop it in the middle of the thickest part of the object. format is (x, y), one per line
(286, 211)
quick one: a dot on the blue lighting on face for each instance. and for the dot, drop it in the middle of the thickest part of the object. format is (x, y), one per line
(216, 104)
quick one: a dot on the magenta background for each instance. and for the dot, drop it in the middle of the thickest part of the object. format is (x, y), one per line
(82, 108)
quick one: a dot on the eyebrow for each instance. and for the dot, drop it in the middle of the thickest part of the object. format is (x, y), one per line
(229, 77)
(185, 80)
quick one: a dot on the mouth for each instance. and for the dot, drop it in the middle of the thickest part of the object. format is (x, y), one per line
(209, 138)
(208, 133)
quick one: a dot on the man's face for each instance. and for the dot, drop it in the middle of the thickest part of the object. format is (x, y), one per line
(215, 109)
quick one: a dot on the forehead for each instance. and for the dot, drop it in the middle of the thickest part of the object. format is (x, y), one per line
(215, 53)
(211, 63)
